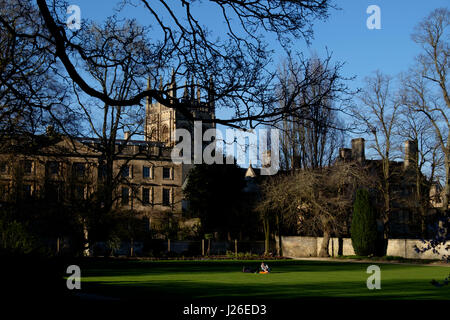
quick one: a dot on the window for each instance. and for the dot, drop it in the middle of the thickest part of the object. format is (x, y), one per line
(145, 195)
(125, 195)
(166, 197)
(146, 223)
(28, 166)
(79, 169)
(165, 134)
(167, 173)
(125, 171)
(26, 191)
(153, 135)
(147, 172)
(3, 167)
(3, 191)
(54, 191)
(79, 192)
(52, 167)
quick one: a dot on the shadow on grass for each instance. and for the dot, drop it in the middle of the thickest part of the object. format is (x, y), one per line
(307, 281)
(182, 289)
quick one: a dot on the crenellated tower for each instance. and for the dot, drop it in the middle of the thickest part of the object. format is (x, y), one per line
(161, 121)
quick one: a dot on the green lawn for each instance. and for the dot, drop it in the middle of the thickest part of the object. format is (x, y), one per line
(133, 279)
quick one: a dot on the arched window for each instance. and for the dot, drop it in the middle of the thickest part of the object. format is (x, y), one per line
(153, 136)
(165, 134)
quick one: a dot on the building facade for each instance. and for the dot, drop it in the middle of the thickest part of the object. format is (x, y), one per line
(411, 210)
(145, 178)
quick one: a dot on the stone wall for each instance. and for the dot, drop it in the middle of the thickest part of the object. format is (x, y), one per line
(405, 248)
(299, 246)
(310, 247)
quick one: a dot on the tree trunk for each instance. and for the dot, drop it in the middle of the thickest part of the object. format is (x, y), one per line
(325, 243)
(86, 251)
(446, 195)
(421, 200)
(280, 245)
(131, 247)
(266, 235)
(387, 210)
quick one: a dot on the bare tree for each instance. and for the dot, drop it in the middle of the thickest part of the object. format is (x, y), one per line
(379, 116)
(427, 93)
(237, 62)
(427, 85)
(117, 49)
(319, 200)
(312, 130)
(29, 87)
(277, 209)
(426, 166)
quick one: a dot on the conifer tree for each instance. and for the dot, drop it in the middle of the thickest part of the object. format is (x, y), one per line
(364, 228)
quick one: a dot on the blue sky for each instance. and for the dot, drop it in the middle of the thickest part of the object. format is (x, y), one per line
(389, 49)
(345, 33)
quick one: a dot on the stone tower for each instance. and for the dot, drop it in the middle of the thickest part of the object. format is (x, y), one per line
(162, 121)
(358, 153)
(411, 153)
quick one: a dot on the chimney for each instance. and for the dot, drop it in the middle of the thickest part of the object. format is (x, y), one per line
(345, 154)
(358, 150)
(410, 154)
(126, 135)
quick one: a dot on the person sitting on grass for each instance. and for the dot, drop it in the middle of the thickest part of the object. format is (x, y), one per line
(264, 267)
(249, 270)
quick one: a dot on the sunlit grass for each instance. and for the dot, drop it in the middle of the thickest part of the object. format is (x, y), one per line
(288, 280)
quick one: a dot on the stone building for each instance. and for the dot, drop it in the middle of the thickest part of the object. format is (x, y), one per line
(408, 217)
(146, 179)
(161, 121)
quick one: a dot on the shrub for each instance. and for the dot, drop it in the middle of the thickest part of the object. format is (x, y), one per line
(15, 238)
(364, 227)
(113, 244)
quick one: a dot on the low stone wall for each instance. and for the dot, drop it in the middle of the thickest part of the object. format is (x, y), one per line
(405, 248)
(310, 247)
(186, 247)
(299, 246)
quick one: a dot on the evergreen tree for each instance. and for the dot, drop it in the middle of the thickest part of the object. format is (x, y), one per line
(364, 228)
(215, 195)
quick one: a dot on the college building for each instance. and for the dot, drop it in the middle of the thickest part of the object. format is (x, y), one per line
(145, 179)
